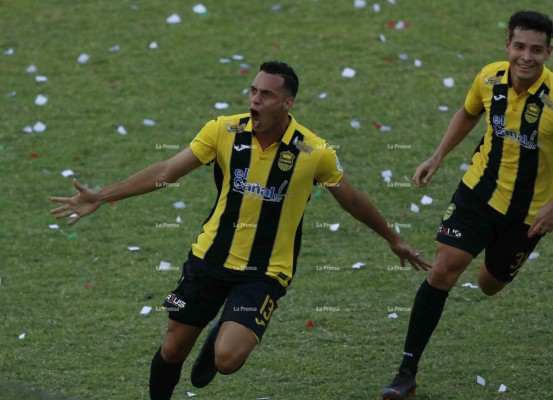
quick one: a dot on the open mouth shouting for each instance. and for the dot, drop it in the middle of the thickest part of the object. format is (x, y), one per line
(256, 116)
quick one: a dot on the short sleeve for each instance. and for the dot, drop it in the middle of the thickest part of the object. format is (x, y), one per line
(474, 103)
(329, 171)
(204, 145)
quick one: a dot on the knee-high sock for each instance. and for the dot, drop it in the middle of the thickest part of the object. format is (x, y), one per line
(163, 377)
(427, 310)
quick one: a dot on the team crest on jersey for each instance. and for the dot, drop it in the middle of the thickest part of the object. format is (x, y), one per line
(545, 99)
(449, 212)
(532, 113)
(493, 80)
(236, 128)
(286, 160)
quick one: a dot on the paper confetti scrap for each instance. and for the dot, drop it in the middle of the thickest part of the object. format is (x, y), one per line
(72, 236)
(31, 69)
(9, 52)
(39, 127)
(417, 63)
(426, 200)
(22, 336)
(449, 82)
(502, 388)
(134, 248)
(115, 48)
(359, 4)
(190, 394)
(480, 380)
(355, 124)
(376, 7)
(41, 100)
(41, 78)
(533, 255)
(334, 227)
(387, 175)
(164, 266)
(153, 46)
(121, 130)
(179, 205)
(145, 310)
(174, 19)
(322, 96)
(414, 208)
(403, 56)
(309, 324)
(238, 57)
(221, 106)
(200, 9)
(382, 38)
(464, 167)
(83, 58)
(148, 122)
(392, 316)
(358, 265)
(67, 173)
(179, 219)
(469, 285)
(383, 128)
(348, 72)
(53, 226)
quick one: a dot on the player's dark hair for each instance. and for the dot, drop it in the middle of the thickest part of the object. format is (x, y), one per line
(291, 81)
(531, 20)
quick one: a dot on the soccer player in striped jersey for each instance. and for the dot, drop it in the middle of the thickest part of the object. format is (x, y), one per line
(504, 202)
(265, 164)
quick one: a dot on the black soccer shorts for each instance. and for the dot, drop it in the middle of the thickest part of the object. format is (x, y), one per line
(200, 295)
(471, 225)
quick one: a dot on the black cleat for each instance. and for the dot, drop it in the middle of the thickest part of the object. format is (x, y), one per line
(402, 386)
(203, 369)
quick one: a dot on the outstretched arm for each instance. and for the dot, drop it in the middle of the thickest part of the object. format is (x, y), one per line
(460, 126)
(359, 206)
(156, 176)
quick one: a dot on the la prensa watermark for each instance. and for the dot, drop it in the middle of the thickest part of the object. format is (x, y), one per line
(165, 146)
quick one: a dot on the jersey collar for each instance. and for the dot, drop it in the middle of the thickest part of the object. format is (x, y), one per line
(287, 137)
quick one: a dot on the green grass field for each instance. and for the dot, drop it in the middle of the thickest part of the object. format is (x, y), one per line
(76, 292)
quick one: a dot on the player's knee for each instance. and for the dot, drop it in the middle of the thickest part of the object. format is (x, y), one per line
(228, 363)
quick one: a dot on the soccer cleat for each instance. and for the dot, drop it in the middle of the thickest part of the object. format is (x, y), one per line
(204, 369)
(403, 385)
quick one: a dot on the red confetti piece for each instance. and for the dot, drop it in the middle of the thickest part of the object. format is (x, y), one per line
(390, 24)
(34, 155)
(389, 60)
(89, 285)
(378, 126)
(309, 324)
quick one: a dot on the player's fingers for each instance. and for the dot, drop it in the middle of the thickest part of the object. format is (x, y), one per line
(60, 199)
(59, 209)
(65, 214)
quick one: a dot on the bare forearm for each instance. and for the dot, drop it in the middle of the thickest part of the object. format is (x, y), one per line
(364, 211)
(460, 126)
(149, 179)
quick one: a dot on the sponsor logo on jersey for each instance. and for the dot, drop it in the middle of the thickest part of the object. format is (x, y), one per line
(493, 80)
(302, 146)
(498, 124)
(174, 300)
(254, 189)
(545, 99)
(454, 233)
(235, 128)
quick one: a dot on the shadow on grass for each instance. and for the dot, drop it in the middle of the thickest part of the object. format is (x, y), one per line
(10, 390)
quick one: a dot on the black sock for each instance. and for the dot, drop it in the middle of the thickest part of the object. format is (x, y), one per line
(163, 377)
(427, 310)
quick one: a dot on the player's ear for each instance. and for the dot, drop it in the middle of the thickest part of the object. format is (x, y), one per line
(288, 103)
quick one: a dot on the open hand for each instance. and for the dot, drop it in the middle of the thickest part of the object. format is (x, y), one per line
(83, 203)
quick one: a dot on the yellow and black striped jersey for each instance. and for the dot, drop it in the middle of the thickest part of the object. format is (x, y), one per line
(512, 167)
(255, 226)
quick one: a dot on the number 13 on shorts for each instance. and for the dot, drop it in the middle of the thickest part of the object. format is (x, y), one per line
(266, 311)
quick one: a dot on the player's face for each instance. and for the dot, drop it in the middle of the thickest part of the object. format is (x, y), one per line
(527, 51)
(269, 103)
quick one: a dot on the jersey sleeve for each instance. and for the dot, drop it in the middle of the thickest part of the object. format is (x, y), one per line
(474, 103)
(204, 145)
(329, 171)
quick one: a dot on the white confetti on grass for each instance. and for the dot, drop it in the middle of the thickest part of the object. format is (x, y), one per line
(221, 106)
(426, 200)
(133, 248)
(164, 266)
(121, 130)
(355, 124)
(392, 316)
(39, 127)
(533, 255)
(179, 205)
(417, 63)
(22, 336)
(348, 72)
(334, 227)
(464, 167)
(67, 173)
(148, 122)
(83, 58)
(480, 380)
(153, 46)
(31, 69)
(53, 226)
(199, 9)
(414, 208)
(174, 19)
(145, 310)
(41, 78)
(502, 388)
(360, 3)
(358, 265)
(469, 285)
(41, 100)
(449, 82)
(9, 52)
